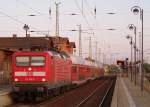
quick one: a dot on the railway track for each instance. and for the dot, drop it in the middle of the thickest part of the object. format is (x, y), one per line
(85, 102)
(107, 98)
(99, 96)
(93, 94)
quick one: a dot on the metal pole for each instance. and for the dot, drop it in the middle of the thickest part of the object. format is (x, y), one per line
(26, 28)
(140, 52)
(57, 19)
(99, 53)
(104, 59)
(90, 48)
(96, 51)
(135, 56)
(142, 76)
(82, 7)
(26, 32)
(131, 60)
(80, 42)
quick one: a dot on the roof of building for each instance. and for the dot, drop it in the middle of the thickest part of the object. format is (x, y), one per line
(60, 40)
(35, 43)
(25, 42)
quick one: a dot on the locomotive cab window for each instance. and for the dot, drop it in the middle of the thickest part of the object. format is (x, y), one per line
(37, 61)
(30, 61)
(22, 61)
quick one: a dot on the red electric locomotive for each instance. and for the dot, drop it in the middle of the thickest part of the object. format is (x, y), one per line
(40, 72)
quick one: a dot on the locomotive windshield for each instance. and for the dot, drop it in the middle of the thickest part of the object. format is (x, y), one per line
(30, 61)
(22, 61)
(37, 61)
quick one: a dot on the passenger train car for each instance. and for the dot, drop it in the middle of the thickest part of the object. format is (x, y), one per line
(83, 70)
(50, 73)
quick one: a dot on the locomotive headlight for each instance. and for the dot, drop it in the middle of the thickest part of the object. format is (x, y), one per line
(30, 69)
(16, 79)
(43, 79)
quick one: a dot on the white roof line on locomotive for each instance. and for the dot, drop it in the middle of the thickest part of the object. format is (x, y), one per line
(53, 53)
(50, 53)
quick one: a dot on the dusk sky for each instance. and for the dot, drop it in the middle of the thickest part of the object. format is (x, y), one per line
(15, 13)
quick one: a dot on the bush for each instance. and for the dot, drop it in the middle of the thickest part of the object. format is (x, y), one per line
(146, 67)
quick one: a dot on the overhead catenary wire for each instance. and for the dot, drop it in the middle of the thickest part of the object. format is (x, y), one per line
(94, 16)
(77, 4)
(89, 8)
(84, 16)
(16, 20)
(12, 18)
(21, 2)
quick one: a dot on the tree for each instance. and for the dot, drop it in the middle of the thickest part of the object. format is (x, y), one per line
(146, 67)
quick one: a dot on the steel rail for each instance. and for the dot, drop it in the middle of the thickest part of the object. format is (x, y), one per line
(86, 99)
(108, 90)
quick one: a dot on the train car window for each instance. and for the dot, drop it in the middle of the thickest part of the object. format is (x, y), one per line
(22, 61)
(61, 55)
(37, 61)
(64, 56)
(74, 69)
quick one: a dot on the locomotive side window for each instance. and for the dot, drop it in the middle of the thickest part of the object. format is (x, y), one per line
(22, 61)
(37, 61)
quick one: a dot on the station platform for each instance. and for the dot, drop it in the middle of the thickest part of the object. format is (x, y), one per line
(5, 89)
(127, 94)
(5, 98)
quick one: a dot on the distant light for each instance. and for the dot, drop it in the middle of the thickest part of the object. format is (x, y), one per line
(26, 27)
(73, 30)
(131, 26)
(111, 13)
(135, 9)
(31, 15)
(128, 36)
(73, 14)
(111, 29)
(31, 31)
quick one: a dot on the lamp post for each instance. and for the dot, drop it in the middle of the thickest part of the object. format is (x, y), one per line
(133, 27)
(137, 10)
(131, 43)
(26, 28)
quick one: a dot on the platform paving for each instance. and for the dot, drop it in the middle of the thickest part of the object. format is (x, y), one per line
(126, 94)
(5, 98)
(5, 89)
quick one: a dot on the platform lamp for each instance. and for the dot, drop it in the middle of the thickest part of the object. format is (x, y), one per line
(26, 28)
(138, 10)
(133, 27)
